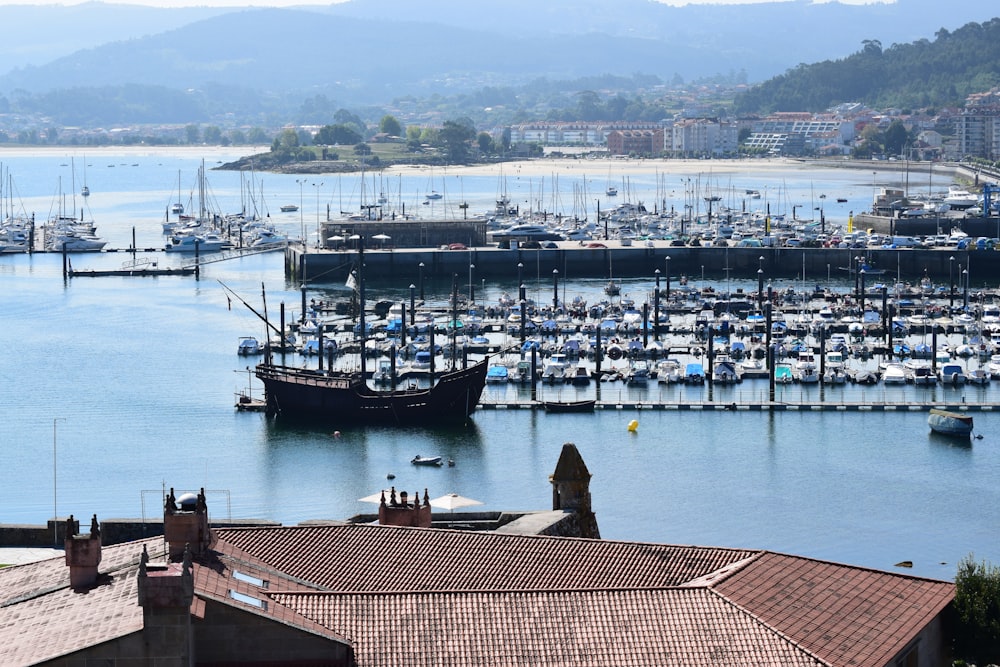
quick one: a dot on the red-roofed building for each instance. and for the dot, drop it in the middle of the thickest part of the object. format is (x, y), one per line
(388, 595)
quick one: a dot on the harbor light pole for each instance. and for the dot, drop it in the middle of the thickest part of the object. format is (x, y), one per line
(520, 267)
(302, 221)
(951, 284)
(413, 318)
(472, 293)
(55, 503)
(862, 293)
(555, 290)
(857, 265)
(965, 288)
(656, 307)
(666, 261)
(420, 280)
(760, 289)
(319, 241)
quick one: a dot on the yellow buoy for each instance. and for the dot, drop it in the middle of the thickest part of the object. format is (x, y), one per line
(633, 426)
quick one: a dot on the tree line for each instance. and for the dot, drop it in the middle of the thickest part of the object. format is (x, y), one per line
(922, 74)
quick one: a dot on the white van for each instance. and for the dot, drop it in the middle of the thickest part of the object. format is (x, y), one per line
(903, 242)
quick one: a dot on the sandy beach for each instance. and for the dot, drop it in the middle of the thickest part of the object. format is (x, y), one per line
(615, 168)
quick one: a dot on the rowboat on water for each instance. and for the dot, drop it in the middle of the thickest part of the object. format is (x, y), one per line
(419, 460)
(569, 406)
(946, 422)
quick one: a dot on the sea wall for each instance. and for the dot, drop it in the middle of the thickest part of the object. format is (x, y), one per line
(819, 264)
(113, 531)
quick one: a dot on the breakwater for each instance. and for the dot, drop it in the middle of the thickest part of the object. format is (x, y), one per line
(572, 261)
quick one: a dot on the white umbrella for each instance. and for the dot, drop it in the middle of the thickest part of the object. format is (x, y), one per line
(377, 497)
(453, 501)
(382, 237)
(335, 238)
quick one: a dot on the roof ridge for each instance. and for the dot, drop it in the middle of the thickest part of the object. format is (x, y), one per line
(864, 568)
(487, 534)
(482, 591)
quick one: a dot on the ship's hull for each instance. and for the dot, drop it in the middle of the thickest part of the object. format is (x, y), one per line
(346, 398)
(950, 423)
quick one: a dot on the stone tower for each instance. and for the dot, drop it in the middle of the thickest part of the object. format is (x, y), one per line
(571, 489)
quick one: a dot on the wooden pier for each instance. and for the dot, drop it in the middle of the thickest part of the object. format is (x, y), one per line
(756, 406)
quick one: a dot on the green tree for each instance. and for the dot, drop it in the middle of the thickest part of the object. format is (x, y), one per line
(341, 133)
(977, 610)
(237, 137)
(192, 134)
(287, 141)
(212, 135)
(257, 136)
(362, 149)
(345, 117)
(896, 137)
(389, 125)
(455, 137)
(485, 142)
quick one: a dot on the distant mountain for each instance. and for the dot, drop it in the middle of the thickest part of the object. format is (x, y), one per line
(368, 52)
(38, 34)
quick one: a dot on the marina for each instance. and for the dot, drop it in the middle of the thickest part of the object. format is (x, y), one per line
(117, 385)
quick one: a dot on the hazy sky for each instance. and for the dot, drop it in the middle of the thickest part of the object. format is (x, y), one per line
(293, 3)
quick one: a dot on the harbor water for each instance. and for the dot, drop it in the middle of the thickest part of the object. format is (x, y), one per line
(117, 387)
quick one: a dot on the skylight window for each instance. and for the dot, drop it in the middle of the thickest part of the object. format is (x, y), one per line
(249, 579)
(248, 599)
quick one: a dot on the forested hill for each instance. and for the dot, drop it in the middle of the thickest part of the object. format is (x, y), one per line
(918, 75)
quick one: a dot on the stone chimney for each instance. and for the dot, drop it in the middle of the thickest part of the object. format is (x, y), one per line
(83, 553)
(571, 489)
(185, 525)
(403, 512)
(166, 592)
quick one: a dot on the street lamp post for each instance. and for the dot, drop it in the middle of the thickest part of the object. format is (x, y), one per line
(413, 318)
(520, 281)
(420, 280)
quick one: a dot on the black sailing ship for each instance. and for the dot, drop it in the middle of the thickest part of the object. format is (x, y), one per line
(345, 397)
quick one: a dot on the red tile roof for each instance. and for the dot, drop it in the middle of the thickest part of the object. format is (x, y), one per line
(840, 613)
(42, 618)
(439, 597)
(366, 558)
(645, 628)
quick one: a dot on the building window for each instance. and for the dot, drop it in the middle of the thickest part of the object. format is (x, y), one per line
(248, 599)
(249, 579)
